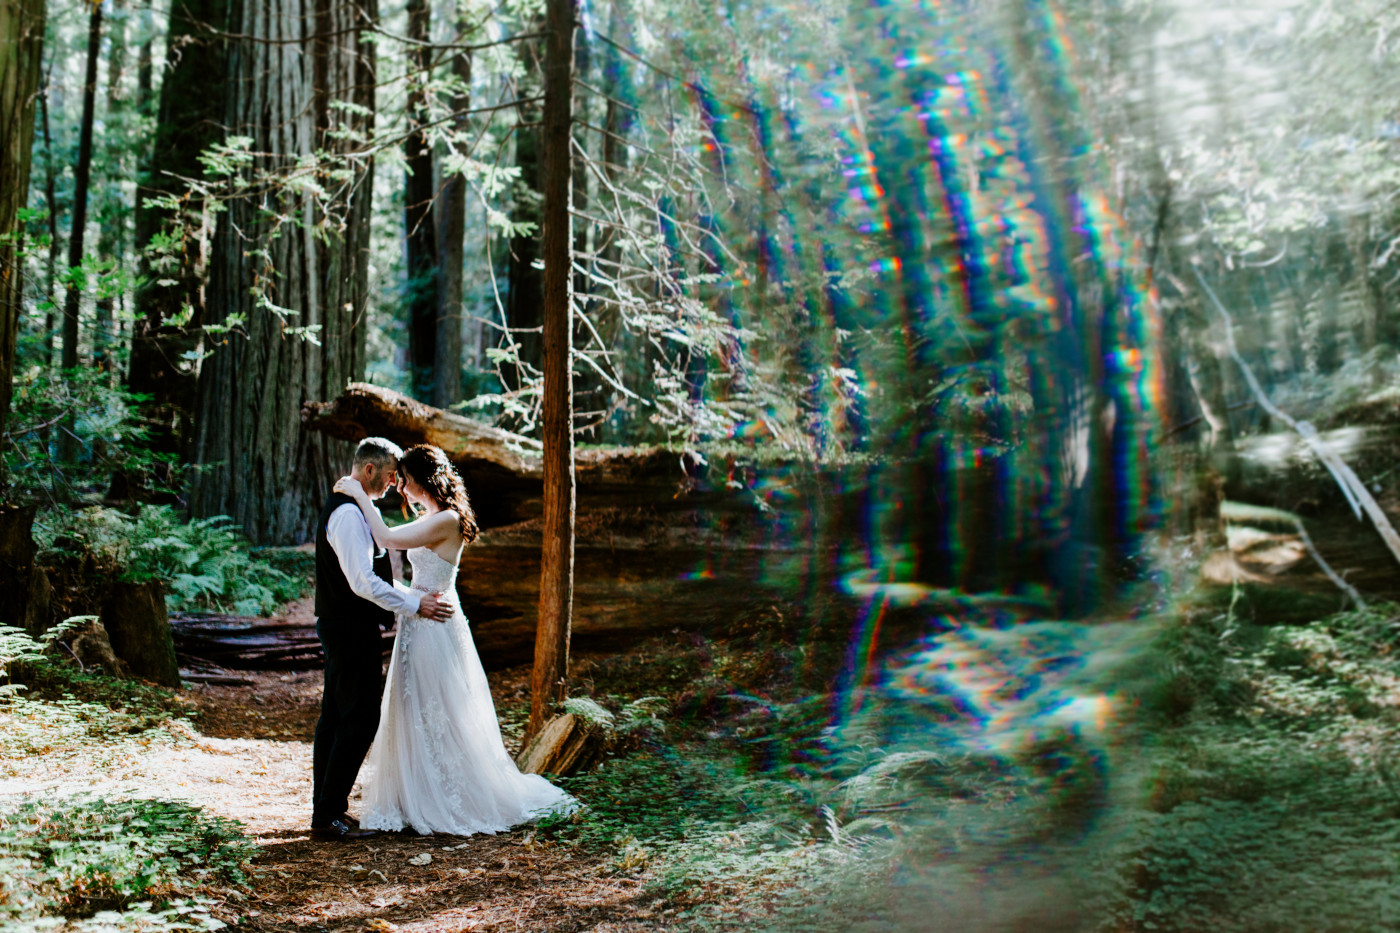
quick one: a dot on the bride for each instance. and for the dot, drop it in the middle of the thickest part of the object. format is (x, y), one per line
(438, 763)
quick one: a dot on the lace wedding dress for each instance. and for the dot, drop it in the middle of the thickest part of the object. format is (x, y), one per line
(438, 763)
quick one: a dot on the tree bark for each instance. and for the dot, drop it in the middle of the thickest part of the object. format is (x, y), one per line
(51, 200)
(420, 244)
(548, 680)
(524, 294)
(21, 48)
(110, 209)
(363, 410)
(452, 222)
(190, 111)
(138, 626)
(67, 441)
(82, 174)
(256, 464)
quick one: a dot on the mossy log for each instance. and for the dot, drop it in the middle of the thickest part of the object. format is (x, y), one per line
(566, 744)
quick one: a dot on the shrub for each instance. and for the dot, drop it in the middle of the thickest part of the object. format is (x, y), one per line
(204, 564)
(107, 422)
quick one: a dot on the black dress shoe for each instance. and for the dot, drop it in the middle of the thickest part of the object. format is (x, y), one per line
(340, 831)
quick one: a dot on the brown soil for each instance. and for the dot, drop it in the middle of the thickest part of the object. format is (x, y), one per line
(260, 736)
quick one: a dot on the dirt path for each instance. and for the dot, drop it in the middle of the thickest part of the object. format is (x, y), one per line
(247, 769)
(249, 758)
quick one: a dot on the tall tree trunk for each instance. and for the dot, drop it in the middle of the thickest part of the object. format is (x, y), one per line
(21, 48)
(67, 442)
(256, 464)
(524, 294)
(549, 678)
(420, 245)
(189, 118)
(51, 201)
(110, 209)
(588, 386)
(451, 242)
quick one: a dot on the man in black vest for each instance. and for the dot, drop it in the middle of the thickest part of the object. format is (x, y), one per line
(355, 596)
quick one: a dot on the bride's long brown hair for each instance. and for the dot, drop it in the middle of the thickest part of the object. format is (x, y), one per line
(429, 467)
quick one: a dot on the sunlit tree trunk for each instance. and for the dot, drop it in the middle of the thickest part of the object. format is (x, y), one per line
(549, 678)
(286, 250)
(21, 48)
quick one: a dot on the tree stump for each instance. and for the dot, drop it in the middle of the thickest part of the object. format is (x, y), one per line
(570, 742)
(139, 627)
(92, 648)
(25, 601)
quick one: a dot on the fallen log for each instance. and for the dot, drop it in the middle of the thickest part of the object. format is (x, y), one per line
(571, 742)
(492, 454)
(365, 410)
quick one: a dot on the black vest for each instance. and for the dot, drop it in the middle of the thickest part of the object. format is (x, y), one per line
(334, 598)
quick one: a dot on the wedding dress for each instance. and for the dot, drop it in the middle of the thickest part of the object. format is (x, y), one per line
(438, 763)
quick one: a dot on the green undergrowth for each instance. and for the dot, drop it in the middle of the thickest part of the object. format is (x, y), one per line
(749, 810)
(202, 565)
(91, 865)
(1269, 795)
(1250, 783)
(51, 708)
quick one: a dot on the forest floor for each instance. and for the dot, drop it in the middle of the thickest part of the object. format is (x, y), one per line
(1251, 718)
(248, 758)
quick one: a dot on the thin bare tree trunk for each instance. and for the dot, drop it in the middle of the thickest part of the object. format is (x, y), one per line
(451, 242)
(51, 200)
(523, 298)
(67, 442)
(21, 48)
(109, 210)
(420, 245)
(81, 176)
(548, 681)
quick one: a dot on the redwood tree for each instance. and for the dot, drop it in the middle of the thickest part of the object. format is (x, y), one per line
(420, 248)
(21, 46)
(287, 256)
(547, 683)
(451, 241)
(189, 118)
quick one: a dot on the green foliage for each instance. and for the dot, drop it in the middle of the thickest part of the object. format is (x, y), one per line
(140, 864)
(52, 708)
(204, 564)
(1270, 804)
(106, 420)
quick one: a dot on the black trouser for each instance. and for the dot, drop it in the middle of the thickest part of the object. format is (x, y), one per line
(349, 713)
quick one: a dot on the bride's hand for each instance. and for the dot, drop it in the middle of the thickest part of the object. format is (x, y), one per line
(351, 487)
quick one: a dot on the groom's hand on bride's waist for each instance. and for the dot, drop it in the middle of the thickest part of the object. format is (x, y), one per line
(434, 606)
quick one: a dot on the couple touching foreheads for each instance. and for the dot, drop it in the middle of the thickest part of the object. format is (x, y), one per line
(437, 763)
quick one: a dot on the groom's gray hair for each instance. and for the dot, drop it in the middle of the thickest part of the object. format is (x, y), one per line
(381, 452)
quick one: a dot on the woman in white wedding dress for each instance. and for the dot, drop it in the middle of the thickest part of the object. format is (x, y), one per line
(438, 763)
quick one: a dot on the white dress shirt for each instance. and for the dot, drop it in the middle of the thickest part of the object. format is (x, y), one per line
(350, 538)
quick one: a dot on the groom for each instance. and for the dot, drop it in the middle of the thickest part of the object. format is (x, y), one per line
(355, 595)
